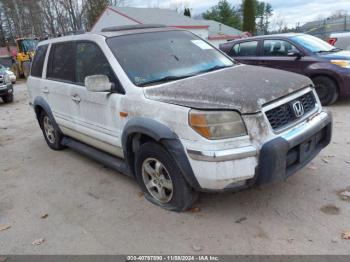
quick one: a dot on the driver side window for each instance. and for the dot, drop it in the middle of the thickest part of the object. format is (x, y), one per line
(90, 60)
(278, 48)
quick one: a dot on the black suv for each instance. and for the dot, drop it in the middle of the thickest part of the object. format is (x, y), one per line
(6, 89)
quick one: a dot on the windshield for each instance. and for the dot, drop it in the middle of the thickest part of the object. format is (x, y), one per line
(313, 44)
(28, 45)
(165, 56)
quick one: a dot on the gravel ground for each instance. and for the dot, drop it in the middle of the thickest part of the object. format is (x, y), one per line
(89, 209)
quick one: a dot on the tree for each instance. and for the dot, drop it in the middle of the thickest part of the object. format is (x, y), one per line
(279, 24)
(263, 13)
(187, 12)
(249, 16)
(94, 9)
(224, 13)
(338, 14)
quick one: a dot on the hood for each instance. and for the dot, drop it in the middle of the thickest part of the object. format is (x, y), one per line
(341, 55)
(243, 88)
(9, 72)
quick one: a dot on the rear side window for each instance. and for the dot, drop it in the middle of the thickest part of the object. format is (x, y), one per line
(38, 62)
(278, 48)
(90, 60)
(245, 49)
(62, 61)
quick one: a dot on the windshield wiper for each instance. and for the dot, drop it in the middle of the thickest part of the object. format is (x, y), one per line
(336, 49)
(173, 78)
(214, 68)
(164, 79)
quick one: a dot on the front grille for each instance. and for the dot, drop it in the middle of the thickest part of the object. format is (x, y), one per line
(286, 114)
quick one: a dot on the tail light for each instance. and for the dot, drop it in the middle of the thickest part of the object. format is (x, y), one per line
(332, 41)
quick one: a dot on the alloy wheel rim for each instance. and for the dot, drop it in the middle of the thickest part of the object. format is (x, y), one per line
(49, 130)
(157, 180)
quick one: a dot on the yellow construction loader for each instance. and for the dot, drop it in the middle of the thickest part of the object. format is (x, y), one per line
(23, 58)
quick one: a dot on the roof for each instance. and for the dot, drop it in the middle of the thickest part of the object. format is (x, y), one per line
(285, 35)
(340, 34)
(4, 51)
(158, 16)
(217, 29)
(103, 35)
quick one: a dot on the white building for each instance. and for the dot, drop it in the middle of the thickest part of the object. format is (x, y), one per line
(211, 31)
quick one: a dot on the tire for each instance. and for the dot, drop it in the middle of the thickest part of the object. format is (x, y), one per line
(52, 136)
(7, 99)
(167, 187)
(326, 89)
(15, 69)
(26, 69)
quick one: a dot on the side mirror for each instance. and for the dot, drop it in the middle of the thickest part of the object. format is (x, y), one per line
(295, 53)
(98, 83)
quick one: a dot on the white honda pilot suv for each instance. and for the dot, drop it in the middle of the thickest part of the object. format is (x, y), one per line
(164, 106)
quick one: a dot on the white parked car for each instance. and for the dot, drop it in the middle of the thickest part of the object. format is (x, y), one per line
(341, 40)
(11, 75)
(164, 106)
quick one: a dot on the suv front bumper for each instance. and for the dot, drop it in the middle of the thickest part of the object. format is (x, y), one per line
(275, 160)
(6, 89)
(285, 155)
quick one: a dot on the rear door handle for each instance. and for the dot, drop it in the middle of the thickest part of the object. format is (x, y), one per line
(46, 90)
(76, 98)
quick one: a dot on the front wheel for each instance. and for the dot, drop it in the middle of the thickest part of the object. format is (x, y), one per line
(7, 99)
(326, 89)
(161, 179)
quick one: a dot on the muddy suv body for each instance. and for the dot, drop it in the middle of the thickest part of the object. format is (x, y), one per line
(167, 108)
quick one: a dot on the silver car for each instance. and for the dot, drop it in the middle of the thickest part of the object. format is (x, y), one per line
(9, 73)
(341, 40)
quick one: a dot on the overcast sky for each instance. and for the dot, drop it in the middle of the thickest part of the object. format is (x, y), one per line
(292, 11)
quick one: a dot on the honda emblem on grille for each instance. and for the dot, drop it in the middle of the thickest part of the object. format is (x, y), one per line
(298, 109)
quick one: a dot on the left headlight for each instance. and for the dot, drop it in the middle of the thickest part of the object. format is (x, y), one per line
(341, 63)
(7, 79)
(215, 125)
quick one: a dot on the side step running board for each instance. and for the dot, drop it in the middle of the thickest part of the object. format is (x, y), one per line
(106, 159)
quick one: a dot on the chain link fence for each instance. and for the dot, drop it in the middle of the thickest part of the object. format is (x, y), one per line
(324, 28)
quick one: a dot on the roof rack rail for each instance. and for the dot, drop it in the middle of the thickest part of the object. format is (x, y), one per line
(131, 27)
(75, 32)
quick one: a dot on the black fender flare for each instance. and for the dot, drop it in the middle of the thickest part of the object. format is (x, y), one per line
(161, 134)
(41, 102)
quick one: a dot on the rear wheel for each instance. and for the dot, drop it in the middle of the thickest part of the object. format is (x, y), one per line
(26, 69)
(51, 134)
(8, 98)
(15, 70)
(161, 179)
(326, 89)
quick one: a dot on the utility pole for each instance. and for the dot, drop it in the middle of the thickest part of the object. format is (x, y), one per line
(345, 22)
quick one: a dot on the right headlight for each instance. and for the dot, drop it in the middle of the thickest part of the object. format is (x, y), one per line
(341, 63)
(215, 125)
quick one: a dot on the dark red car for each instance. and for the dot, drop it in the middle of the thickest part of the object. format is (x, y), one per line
(326, 65)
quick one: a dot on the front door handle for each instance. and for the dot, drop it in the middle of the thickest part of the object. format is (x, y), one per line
(76, 99)
(46, 90)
